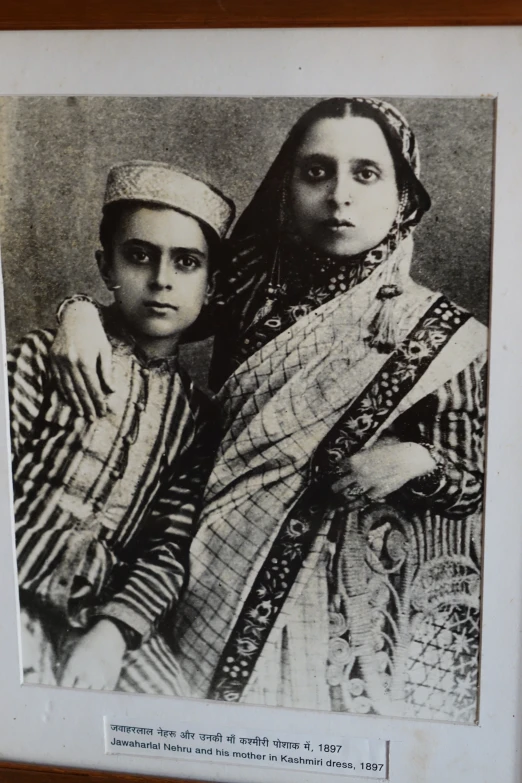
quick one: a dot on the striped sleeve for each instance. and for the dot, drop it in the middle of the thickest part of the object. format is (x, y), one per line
(28, 373)
(453, 421)
(160, 571)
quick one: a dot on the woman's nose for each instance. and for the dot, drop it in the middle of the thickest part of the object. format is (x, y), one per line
(163, 274)
(341, 189)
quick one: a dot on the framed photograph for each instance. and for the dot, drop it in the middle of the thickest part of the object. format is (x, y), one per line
(261, 383)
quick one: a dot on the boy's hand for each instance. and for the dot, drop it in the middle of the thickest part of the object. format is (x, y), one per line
(95, 662)
(81, 360)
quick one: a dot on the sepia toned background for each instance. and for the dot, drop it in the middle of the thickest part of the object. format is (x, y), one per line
(55, 153)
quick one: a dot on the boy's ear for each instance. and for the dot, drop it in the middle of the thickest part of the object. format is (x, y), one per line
(104, 267)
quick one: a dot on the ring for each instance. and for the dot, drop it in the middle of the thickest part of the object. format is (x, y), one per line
(353, 492)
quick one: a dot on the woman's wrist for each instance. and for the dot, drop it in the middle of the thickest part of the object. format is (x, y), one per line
(430, 482)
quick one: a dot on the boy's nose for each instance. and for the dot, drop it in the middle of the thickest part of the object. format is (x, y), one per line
(164, 272)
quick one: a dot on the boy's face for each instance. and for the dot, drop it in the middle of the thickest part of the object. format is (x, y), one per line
(160, 261)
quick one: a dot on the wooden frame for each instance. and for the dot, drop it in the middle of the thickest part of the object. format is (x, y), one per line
(117, 14)
(100, 14)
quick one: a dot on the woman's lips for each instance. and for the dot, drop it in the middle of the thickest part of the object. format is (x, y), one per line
(337, 225)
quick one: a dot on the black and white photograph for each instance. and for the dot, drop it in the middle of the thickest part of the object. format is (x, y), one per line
(247, 344)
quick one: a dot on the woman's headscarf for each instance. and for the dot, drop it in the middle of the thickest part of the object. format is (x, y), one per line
(272, 271)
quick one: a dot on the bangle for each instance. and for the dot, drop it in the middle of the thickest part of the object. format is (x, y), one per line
(72, 300)
(430, 482)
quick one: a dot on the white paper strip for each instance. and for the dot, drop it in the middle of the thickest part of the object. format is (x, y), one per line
(355, 756)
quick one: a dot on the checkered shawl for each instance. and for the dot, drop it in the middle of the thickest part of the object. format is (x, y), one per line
(279, 405)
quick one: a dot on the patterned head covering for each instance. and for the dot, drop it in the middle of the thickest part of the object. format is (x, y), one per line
(158, 183)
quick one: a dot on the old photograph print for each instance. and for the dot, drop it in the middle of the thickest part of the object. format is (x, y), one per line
(247, 368)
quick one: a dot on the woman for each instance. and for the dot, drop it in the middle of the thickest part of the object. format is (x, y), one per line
(336, 564)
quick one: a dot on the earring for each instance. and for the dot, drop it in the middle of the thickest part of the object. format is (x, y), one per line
(114, 287)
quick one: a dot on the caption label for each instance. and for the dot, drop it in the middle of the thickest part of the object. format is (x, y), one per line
(355, 756)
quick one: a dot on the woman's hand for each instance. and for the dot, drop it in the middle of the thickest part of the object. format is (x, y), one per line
(81, 360)
(383, 469)
(96, 661)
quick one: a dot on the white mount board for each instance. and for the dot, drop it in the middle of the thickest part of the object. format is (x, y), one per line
(64, 727)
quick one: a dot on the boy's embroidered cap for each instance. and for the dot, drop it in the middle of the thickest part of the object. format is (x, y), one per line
(159, 183)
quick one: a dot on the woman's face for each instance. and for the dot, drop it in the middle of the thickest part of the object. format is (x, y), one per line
(344, 190)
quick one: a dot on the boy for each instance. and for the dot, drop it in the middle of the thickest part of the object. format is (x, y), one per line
(104, 506)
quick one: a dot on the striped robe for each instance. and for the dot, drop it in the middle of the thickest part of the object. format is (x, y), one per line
(104, 509)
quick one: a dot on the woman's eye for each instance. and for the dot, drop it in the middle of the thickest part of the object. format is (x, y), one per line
(367, 175)
(188, 262)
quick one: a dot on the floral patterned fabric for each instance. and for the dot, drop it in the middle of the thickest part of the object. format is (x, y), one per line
(403, 630)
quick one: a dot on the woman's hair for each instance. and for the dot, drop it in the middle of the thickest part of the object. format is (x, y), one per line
(263, 216)
(114, 213)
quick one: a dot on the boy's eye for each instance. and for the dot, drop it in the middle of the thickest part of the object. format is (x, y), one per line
(315, 172)
(138, 256)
